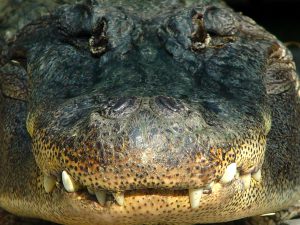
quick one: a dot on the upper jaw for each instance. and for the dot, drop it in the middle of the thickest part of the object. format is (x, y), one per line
(144, 151)
(107, 198)
(132, 165)
(116, 178)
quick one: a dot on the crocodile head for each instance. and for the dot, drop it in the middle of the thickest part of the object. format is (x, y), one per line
(169, 115)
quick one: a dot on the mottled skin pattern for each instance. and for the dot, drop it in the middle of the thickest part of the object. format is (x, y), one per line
(150, 99)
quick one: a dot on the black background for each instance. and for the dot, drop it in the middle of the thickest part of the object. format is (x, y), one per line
(280, 17)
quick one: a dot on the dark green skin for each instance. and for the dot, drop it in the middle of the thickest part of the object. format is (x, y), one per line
(150, 99)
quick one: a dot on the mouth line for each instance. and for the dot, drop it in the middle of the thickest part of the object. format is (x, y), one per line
(105, 198)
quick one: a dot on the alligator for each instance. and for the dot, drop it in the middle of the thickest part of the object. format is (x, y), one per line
(146, 112)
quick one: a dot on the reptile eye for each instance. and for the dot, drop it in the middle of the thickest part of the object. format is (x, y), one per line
(219, 22)
(213, 29)
(98, 42)
(199, 36)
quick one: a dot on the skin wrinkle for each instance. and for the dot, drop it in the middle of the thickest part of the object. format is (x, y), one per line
(151, 100)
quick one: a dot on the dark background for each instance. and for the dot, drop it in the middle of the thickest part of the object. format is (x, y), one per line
(280, 17)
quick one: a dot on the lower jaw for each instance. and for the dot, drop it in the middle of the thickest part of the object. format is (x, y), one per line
(159, 207)
(222, 202)
(226, 202)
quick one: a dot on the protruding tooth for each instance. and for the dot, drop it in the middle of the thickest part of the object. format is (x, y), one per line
(49, 183)
(195, 197)
(101, 197)
(268, 214)
(69, 183)
(246, 180)
(119, 196)
(90, 191)
(208, 188)
(257, 175)
(211, 184)
(229, 174)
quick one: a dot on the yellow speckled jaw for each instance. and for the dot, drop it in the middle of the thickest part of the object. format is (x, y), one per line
(124, 181)
(126, 166)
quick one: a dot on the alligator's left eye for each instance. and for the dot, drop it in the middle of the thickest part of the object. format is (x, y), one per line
(98, 42)
(220, 22)
(214, 28)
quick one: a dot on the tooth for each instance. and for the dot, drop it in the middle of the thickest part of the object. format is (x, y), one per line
(101, 197)
(257, 175)
(211, 184)
(229, 173)
(246, 180)
(268, 214)
(195, 197)
(90, 191)
(69, 183)
(49, 183)
(119, 196)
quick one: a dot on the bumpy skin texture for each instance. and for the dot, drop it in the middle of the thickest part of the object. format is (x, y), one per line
(150, 99)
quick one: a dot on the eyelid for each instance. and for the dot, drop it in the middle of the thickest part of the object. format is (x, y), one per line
(220, 22)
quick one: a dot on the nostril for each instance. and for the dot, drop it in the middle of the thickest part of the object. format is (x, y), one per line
(168, 103)
(123, 103)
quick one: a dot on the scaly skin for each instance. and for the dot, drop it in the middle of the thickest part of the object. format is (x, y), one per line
(151, 100)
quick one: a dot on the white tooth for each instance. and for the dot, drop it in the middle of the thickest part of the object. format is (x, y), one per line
(119, 196)
(246, 180)
(68, 182)
(229, 174)
(268, 214)
(101, 197)
(211, 184)
(49, 183)
(257, 175)
(195, 197)
(90, 191)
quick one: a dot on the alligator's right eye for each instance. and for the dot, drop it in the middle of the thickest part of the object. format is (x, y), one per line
(74, 26)
(95, 30)
(95, 40)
